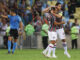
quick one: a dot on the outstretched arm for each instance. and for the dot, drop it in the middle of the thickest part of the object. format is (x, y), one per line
(4, 16)
(46, 9)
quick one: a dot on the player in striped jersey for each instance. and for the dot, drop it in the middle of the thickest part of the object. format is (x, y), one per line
(60, 29)
(52, 33)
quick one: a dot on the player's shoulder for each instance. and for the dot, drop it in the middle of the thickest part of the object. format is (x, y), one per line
(17, 16)
(9, 16)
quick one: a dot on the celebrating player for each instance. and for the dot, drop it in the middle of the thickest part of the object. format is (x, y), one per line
(51, 33)
(60, 29)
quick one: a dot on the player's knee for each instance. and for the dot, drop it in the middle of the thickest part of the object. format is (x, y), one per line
(15, 40)
(9, 38)
(53, 42)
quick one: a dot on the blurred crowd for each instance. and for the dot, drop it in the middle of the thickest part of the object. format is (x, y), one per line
(30, 14)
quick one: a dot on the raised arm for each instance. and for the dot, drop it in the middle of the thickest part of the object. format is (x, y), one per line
(4, 16)
(46, 9)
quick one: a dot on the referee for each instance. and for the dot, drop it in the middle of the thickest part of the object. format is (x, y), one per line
(15, 24)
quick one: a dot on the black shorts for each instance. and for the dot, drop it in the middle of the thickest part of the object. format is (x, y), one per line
(14, 33)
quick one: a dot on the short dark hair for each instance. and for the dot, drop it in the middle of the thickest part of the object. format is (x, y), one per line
(13, 10)
(53, 8)
(58, 3)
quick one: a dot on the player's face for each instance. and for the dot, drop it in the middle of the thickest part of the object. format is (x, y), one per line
(59, 7)
(12, 13)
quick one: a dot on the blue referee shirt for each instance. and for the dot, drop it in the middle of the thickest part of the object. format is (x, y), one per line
(14, 21)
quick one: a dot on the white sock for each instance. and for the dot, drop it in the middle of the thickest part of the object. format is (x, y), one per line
(54, 48)
(65, 46)
(50, 49)
(45, 51)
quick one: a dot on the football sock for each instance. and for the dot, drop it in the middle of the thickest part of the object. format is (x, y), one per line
(65, 46)
(9, 45)
(50, 48)
(54, 48)
(14, 46)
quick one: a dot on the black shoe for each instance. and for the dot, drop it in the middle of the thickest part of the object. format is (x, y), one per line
(12, 52)
(8, 52)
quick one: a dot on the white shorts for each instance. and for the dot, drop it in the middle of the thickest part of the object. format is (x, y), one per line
(52, 35)
(61, 33)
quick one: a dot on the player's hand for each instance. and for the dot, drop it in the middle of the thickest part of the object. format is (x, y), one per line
(20, 33)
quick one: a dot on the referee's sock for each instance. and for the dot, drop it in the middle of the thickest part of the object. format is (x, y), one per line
(14, 46)
(9, 45)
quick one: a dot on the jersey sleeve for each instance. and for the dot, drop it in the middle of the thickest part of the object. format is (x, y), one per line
(19, 18)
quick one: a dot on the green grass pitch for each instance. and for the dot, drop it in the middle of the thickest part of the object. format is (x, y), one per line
(35, 54)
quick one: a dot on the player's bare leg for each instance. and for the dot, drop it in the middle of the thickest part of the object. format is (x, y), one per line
(52, 47)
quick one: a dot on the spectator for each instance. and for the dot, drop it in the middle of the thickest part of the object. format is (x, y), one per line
(60, 1)
(11, 3)
(22, 7)
(15, 6)
(34, 11)
(39, 6)
(26, 19)
(29, 29)
(0, 26)
(44, 34)
(3, 31)
(74, 36)
(77, 25)
(28, 15)
(3, 28)
(37, 23)
(6, 37)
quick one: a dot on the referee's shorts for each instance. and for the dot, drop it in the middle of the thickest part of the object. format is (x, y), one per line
(14, 33)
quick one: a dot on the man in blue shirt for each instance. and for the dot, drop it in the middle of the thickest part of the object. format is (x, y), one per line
(15, 23)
